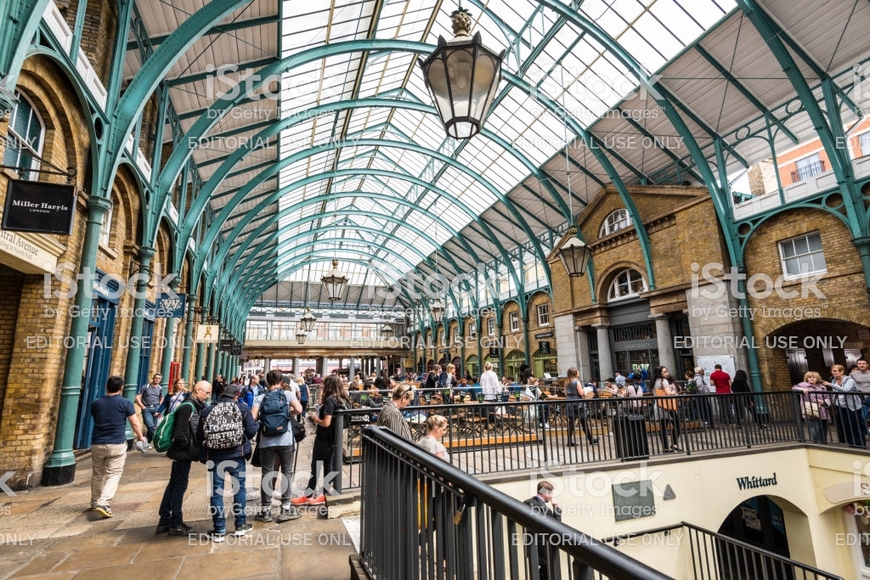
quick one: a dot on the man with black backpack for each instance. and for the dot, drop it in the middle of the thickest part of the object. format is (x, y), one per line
(225, 430)
(273, 410)
(184, 450)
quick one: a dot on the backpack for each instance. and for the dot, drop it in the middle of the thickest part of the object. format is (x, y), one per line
(163, 434)
(275, 413)
(223, 428)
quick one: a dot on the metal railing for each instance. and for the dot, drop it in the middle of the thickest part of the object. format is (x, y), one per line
(718, 557)
(485, 438)
(808, 170)
(423, 518)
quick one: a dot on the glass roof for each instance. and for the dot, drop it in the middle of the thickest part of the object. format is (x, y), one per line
(555, 57)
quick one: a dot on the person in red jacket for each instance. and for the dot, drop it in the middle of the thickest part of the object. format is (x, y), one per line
(721, 381)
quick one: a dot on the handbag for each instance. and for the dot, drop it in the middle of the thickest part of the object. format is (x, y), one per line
(811, 409)
(255, 457)
(667, 404)
(298, 430)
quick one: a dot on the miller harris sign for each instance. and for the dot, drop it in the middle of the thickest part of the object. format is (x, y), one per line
(33, 206)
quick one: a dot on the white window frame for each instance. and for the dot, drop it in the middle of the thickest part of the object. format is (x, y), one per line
(472, 330)
(543, 312)
(805, 163)
(13, 135)
(782, 244)
(864, 143)
(514, 318)
(490, 326)
(106, 227)
(615, 221)
(628, 277)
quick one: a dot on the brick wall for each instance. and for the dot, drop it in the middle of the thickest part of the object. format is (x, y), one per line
(10, 293)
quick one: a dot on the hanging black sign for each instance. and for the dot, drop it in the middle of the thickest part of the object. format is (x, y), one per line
(544, 347)
(225, 344)
(34, 206)
(236, 349)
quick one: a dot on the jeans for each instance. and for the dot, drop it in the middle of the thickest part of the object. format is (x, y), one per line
(818, 429)
(108, 461)
(235, 469)
(150, 421)
(321, 459)
(286, 455)
(173, 496)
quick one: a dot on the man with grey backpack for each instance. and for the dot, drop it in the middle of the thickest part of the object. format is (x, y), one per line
(273, 410)
(225, 430)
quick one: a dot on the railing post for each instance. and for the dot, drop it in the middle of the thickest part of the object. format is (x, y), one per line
(798, 419)
(338, 451)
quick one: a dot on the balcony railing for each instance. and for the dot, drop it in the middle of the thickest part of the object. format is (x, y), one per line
(510, 435)
(422, 518)
(807, 170)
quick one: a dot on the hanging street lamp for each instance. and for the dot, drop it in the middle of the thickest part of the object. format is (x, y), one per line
(307, 321)
(301, 336)
(334, 282)
(386, 332)
(437, 310)
(574, 254)
(462, 76)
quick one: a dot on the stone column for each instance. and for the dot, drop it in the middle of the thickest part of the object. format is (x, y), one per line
(584, 360)
(605, 357)
(665, 344)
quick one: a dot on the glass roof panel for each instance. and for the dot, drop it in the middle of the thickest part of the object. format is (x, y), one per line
(558, 59)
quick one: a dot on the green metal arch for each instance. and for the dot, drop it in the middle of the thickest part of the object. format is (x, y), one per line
(275, 169)
(227, 247)
(263, 245)
(257, 289)
(314, 178)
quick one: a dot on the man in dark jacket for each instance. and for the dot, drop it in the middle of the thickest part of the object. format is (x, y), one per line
(539, 506)
(227, 460)
(184, 450)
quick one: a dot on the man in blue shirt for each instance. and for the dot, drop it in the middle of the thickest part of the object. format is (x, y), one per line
(109, 444)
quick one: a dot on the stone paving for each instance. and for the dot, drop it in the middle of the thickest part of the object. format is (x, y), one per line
(49, 533)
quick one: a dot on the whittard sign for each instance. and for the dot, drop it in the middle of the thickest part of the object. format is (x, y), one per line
(45, 208)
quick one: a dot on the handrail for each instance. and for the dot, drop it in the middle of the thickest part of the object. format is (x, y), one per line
(806, 568)
(586, 549)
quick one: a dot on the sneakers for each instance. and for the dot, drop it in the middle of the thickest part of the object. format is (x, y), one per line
(104, 511)
(288, 514)
(217, 537)
(162, 529)
(301, 500)
(181, 529)
(319, 500)
(264, 516)
(243, 529)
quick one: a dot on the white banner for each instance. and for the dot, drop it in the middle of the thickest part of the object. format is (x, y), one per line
(207, 333)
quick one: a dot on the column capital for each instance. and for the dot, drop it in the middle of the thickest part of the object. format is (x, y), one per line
(7, 101)
(600, 325)
(98, 206)
(661, 316)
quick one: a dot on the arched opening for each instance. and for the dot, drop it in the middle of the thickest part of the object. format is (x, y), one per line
(769, 523)
(815, 345)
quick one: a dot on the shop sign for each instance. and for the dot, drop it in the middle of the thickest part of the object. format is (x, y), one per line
(33, 206)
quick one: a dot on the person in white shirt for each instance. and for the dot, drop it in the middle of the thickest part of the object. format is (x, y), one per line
(490, 384)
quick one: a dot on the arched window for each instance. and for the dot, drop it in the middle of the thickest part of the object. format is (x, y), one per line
(626, 284)
(614, 222)
(24, 141)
